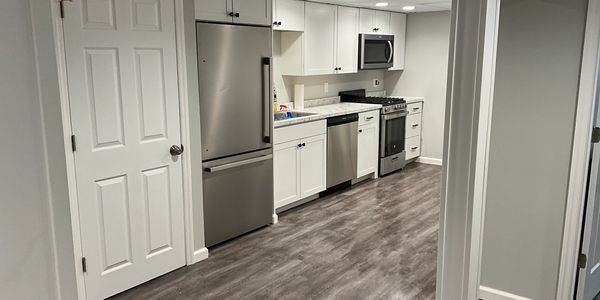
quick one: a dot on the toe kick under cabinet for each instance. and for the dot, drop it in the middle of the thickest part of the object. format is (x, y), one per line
(299, 161)
(413, 130)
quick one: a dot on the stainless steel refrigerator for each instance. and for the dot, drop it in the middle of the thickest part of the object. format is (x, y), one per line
(234, 66)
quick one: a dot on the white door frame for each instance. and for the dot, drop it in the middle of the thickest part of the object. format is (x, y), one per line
(581, 152)
(467, 130)
(185, 139)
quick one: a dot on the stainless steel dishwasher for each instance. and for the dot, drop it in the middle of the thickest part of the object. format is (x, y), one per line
(342, 144)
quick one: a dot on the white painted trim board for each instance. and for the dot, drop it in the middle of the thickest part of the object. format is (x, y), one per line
(486, 293)
(429, 160)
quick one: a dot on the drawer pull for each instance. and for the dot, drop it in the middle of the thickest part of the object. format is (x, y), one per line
(415, 108)
(369, 118)
(414, 148)
(415, 125)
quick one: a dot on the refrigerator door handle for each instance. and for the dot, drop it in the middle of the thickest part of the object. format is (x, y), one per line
(268, 118)
(238, 163)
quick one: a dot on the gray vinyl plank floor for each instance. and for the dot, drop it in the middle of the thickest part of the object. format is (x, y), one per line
(376, 240)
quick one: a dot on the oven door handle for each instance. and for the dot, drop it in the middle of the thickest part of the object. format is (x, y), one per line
(394, 116)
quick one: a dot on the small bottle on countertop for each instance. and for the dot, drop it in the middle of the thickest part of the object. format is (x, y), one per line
(275, 107)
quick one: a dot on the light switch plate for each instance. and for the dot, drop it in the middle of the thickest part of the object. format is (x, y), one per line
(376, 82)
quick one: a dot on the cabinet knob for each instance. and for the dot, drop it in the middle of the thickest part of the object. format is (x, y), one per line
(299, 145)
(360, 131)
(303, 144)
(237, 15)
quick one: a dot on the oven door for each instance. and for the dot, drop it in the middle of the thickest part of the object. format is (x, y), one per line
(392, 133)
(376, 51)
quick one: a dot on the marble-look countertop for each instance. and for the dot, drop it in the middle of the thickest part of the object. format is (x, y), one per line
(328, 111)
(410, 100)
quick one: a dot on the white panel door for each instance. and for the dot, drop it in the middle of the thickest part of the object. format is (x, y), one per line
(288, 15)
(382, 22)
(368, 143)
(122, 74)
(313, 165)
(367, 20)
(398, 29)
(320, 38)
(214, 10)
(347, 39)
(286, 165)
(255, 12)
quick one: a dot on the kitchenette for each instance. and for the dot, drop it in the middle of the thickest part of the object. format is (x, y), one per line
(294, 108)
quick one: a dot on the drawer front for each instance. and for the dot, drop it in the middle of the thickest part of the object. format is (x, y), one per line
(369, 117)
(413, 147)
(415, 108)
(299, 131)
(413, 125)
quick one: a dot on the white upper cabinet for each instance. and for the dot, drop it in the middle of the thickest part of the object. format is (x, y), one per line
(320, 38)
(398, 29)
(374, 21)
(347, 40)
(288, 15)
(254, 12)
(214, 10)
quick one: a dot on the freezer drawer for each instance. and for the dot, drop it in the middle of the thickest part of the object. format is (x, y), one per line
(238, 196)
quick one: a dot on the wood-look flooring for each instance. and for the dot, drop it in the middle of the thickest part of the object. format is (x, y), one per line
(376, 240)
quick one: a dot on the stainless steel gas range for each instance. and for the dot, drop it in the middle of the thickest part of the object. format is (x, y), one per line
(392, 152)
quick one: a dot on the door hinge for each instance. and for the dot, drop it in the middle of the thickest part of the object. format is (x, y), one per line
(61, 4)
(73, 143)
(596, 135)
(84, 265)
(582, 261)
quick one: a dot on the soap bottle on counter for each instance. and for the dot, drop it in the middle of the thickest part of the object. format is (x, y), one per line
(275, 106)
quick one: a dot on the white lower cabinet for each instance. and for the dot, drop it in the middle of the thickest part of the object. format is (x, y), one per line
(413, 133)
(368, 144)
(299, 162)
(313, 165)
(413, 147)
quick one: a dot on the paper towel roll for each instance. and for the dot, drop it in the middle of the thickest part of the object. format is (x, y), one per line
(299, 96)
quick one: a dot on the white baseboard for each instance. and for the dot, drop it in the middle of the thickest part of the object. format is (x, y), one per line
(275, 219)
(430, 161)
(486, 293)
(200, 255)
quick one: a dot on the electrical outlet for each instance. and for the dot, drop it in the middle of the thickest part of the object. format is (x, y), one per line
(326, 87)
(376, 82)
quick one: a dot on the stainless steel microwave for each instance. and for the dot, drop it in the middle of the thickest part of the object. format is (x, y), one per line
(376, 51)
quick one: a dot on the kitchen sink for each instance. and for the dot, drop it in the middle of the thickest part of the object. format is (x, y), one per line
(284, 115)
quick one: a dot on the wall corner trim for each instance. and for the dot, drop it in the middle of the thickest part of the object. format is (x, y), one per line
(487, 293)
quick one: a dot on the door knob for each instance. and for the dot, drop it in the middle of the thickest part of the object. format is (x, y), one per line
(176, 150)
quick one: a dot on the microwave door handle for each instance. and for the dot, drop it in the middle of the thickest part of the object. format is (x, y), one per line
(391, 51)
(268, 118)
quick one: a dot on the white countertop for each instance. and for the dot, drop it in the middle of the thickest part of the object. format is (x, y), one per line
(410, 100)
(328, 111)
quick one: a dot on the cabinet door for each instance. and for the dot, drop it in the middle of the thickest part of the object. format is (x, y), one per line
(398, 29)
(413, 125)
(214, 10)
(368, 144)
(320, 38)
(290, 13)
(313, 164)
(286, 172)
(382, 21)
(255, 12)
(347, 39)
(413, 147)
(367, 20)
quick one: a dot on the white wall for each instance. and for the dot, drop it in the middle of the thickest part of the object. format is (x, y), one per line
(26, 254)
(425, 74)
(314, 85)
(533, 116)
